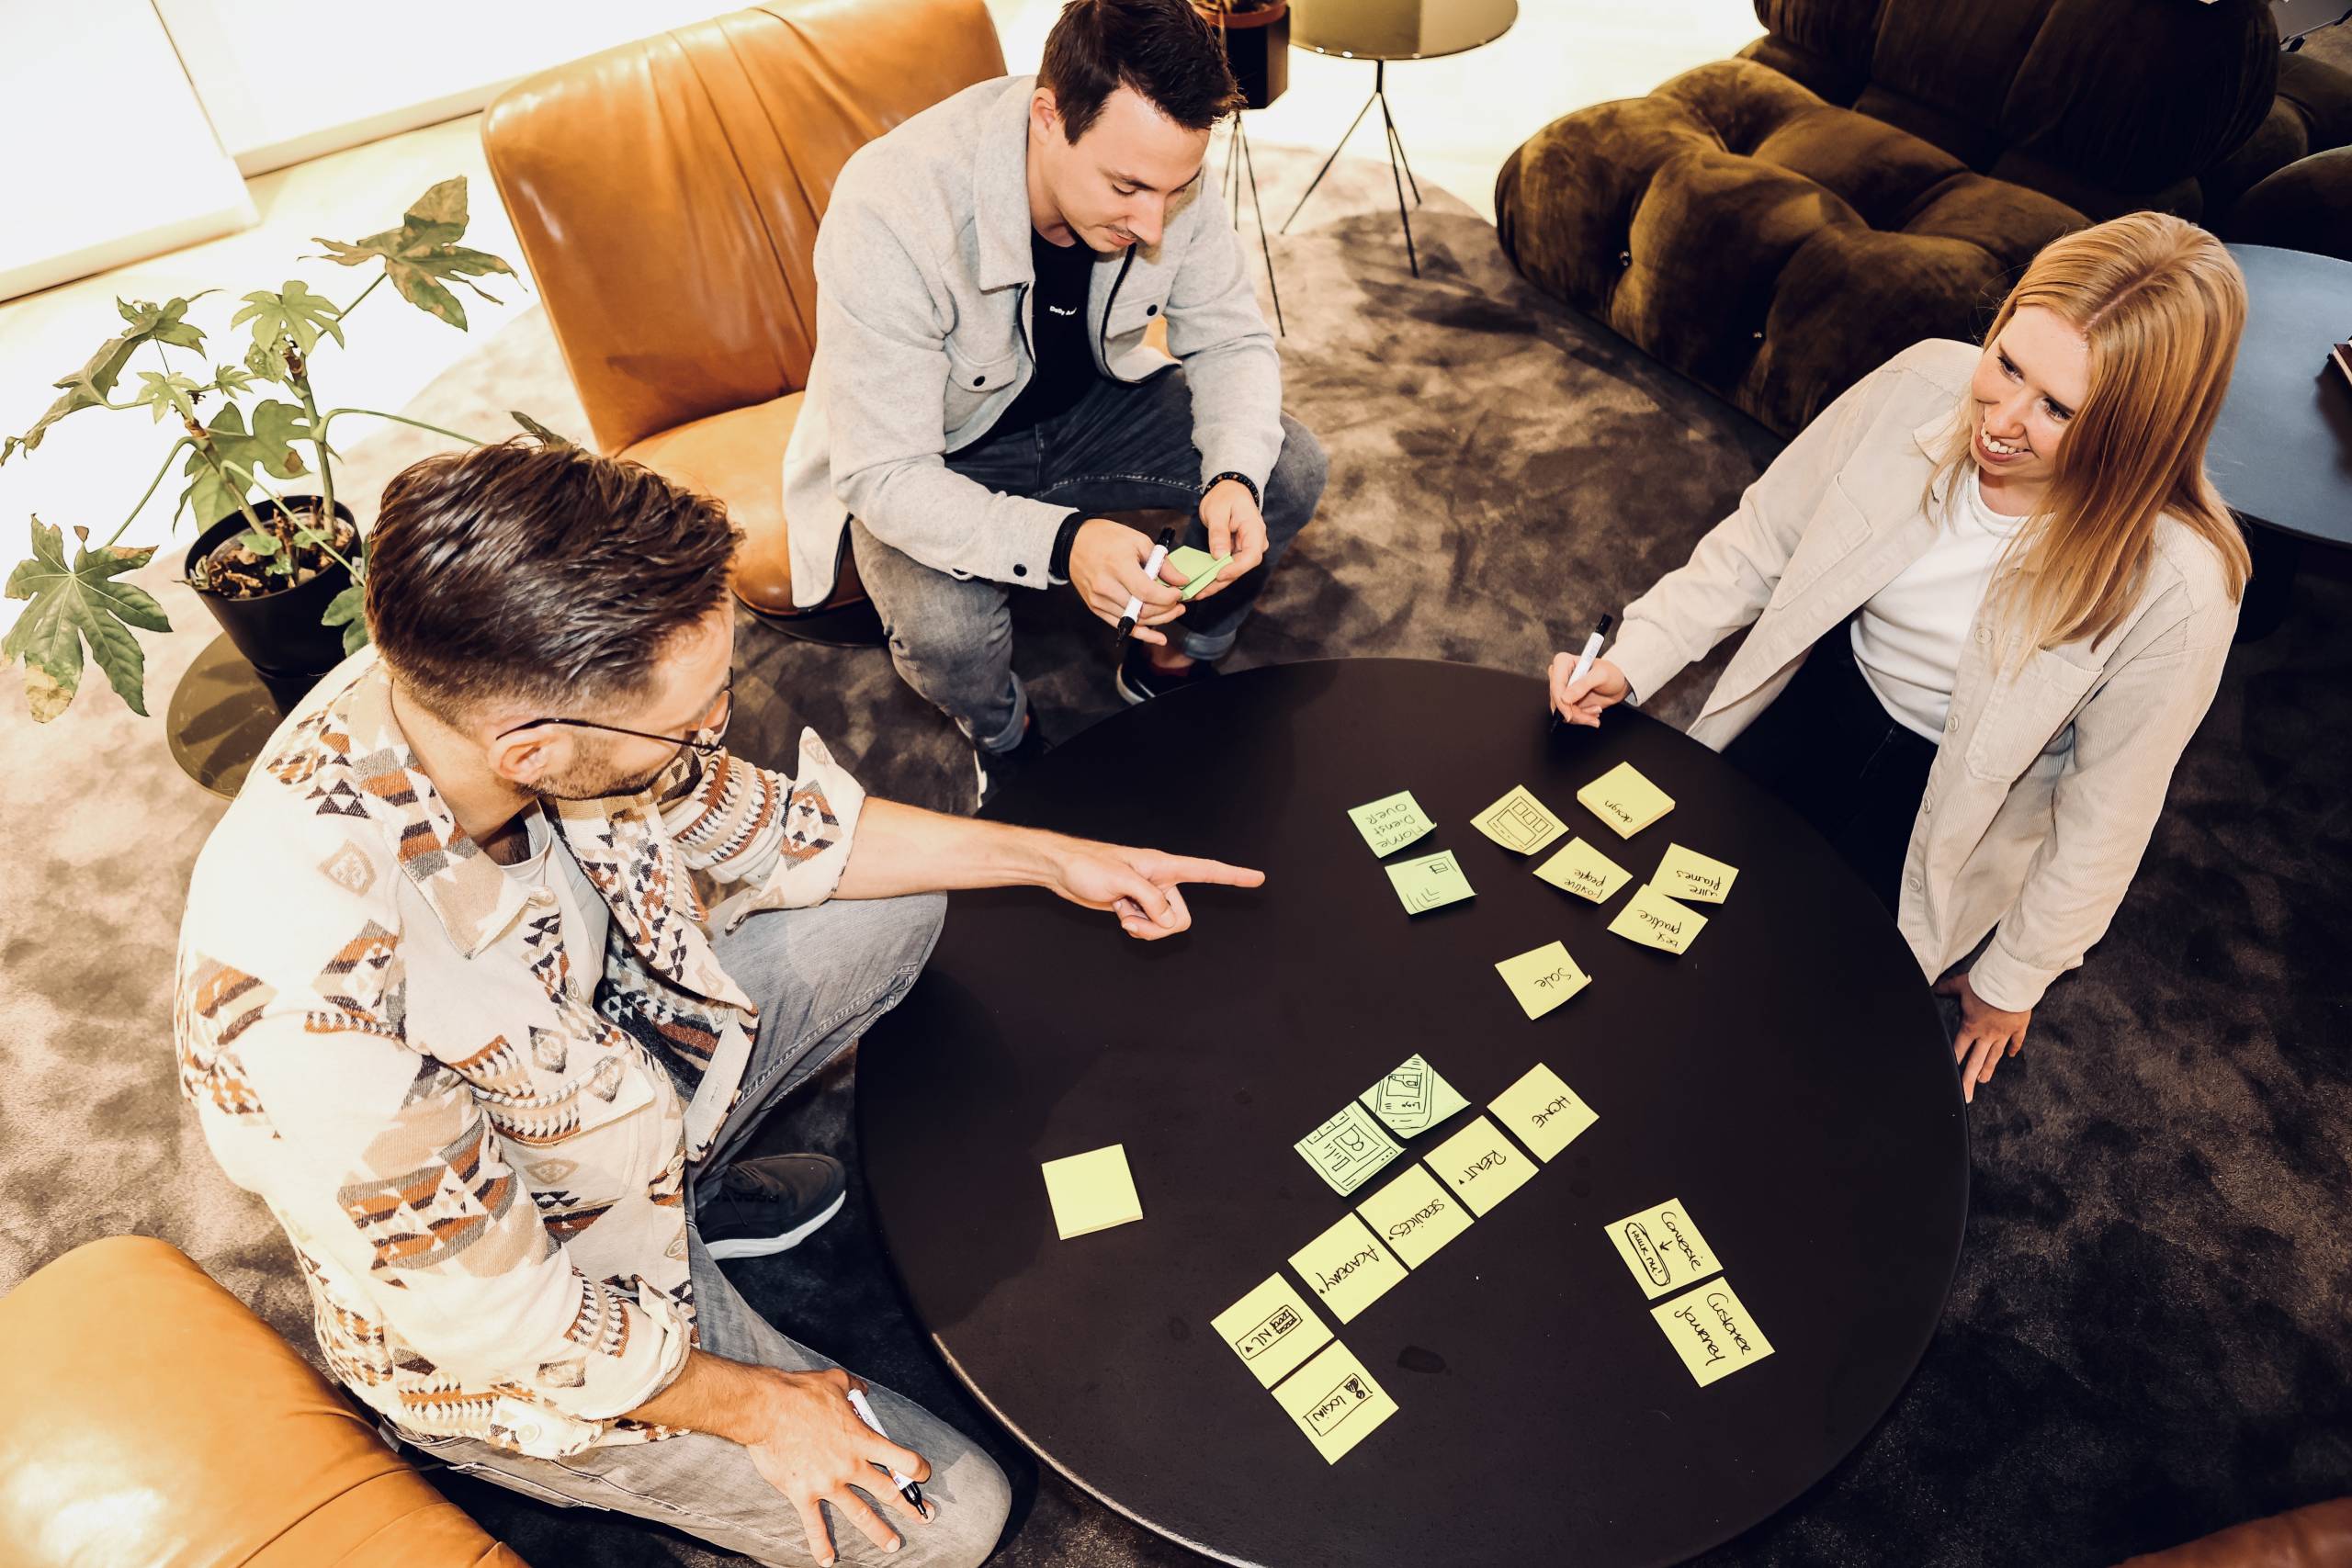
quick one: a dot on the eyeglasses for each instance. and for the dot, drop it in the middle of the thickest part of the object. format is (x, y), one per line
(713, 726)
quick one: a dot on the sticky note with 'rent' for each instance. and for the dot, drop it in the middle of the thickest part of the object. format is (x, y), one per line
(1687, 875)
(1271, 1329)
(1542, 1113)
(1092, 1191)
(1625, 800)
(1481, 1164)
(1712, 1332)
(1335, 1402)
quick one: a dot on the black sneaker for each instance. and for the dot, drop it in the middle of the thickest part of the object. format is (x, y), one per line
(994, 769)
(1140, 683)
(770, 1204)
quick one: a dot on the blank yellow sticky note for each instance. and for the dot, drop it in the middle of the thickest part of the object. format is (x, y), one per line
(1542, 978)
(1580, 869)
(1428, 881)
(1414, 1215)
(1656, 920)
(1335, 1402)
(1481, 1165)
(1346, 1268)
(1271, 1329)
(1712, 1332)
(1092, 1191)
(1542, 1113)
(1412, 1098)
(1519, 822)
(1688, 874)
(1347, 1150)
(1391, 822)
(1625, 800)
(1662, 1249)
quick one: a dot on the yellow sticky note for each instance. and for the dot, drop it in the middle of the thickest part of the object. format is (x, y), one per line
(1412, 1098)
(1335, 1402)
(1518, 821)
(1415, 1216)
(1625, 800)
(1092, 1191)
(1391, 822)
(1662, 1249)
(1712, 1332)
(1584, 871)
(1542, 1113)
(1346, 1150)
(1688, 874)
(1271, 1329)
(1481, 1165)
(1425, 883)
(1656, 920)
(1542, 978)
(1346, 1268)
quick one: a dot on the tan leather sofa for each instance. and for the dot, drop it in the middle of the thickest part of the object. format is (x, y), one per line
(2319, 1536)
(147, 1418)
(667, 194)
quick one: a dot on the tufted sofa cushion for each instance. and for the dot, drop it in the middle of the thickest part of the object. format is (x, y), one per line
(1763, 241)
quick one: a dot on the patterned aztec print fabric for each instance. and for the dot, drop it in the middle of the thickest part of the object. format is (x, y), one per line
(482, 1171)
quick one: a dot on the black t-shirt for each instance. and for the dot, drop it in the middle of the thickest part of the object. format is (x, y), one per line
(1058, 336)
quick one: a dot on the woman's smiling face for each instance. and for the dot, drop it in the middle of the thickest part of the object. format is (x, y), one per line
(2029, 381)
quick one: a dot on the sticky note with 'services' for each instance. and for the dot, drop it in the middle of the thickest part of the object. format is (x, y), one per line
(1686, 875)
(1271, 1329)
(1662, 1248)
(1542, 1113)
(1656, 920)
(1391, 822)
(1481, 1164)
(1711, 1330)
(1412, 1098)
(1415, 1216)
(1347, 1150)
(1580, 869)
(1347, 1268)
(1625, 800)
(1542, 978)
(1519, 822)
(1426, 882)
(1335, 1402)
(1091, 1191)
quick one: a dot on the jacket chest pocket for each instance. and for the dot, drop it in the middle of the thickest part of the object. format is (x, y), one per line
(1133, 311)
(974, 377)
(1831, 535)
(552, 1090)
(2019, 718)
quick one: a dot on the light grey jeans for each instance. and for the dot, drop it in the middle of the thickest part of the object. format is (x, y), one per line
(820, 977)
(1123, 447)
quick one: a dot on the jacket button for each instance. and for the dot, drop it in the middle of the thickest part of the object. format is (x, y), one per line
(1151, 309)
(980, 380)
(1914, 880)
(1020, 570)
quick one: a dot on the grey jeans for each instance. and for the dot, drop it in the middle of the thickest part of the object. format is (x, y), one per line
(820, 977)
(1122, 446)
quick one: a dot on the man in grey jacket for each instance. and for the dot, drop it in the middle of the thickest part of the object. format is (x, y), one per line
(981, 389)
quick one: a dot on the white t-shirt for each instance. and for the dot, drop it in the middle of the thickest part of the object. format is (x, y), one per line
(1908, 639)
(587, 919)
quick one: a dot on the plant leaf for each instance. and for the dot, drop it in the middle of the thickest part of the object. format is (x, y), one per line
(228, 381)
(292, 312)
(422, 253)
(259, 543)
(94, 382)
(533, 427)
(266, 361)
(73, 606)
(168, 393)
(348, 610)
(165, 323)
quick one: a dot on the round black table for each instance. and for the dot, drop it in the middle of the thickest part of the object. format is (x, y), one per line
(1787, 1080)
(2281, 452)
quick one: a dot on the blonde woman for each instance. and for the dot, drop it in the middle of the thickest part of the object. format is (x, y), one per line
(1992, 590)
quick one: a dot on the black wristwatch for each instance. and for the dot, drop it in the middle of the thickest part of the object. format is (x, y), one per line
(1243, 479)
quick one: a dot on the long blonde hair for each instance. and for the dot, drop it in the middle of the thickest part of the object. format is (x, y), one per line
(2161, 305)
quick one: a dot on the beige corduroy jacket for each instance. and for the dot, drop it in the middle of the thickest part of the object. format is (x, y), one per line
(2052, 771)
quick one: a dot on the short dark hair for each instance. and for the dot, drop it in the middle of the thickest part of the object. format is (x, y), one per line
(1164, 50)
(539, 571)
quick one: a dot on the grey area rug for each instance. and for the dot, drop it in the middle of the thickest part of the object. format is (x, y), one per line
(2148, 1337)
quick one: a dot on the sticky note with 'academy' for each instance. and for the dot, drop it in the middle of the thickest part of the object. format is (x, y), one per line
(1625, 800)
(1519, 822)
(1481, 1164)
(1347, 1268)
(1412, 1098)
(1687, 875)
(1415, 1216)
(1662, 1249)
(1391, 822)
(1542, 1113)
(1091, 1191)
(1428, 881)
(1580, 869)
(1656, 920)
(1271, 1329)
(1543, 977)
(1711, 1330)
(1335, 1402)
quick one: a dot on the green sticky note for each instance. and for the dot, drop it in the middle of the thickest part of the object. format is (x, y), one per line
(1199, 567)
(1391, 822)
(1430, 881)
(1091, 1191)
(1412, 1098)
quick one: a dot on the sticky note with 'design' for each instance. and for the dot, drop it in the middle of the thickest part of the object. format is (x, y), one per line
(1662, 1249)
(1428, 881)
(1481, 1164)
(1335, 1402)
(1584, 871)
(1347, 1268)
(1271, 1329)
(1347, 1150)
(1542, 1113)
(1412, 1098)
(1656, 920)
(1711, 1330)
(1686, 875)
(1391, 822)
(1543, 977)
(1625, 800)
(1092, 1191)
(1519, 822)
(1415, 1216)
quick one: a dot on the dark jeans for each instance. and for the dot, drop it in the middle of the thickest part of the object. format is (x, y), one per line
(1123, 447)
(1827, 747)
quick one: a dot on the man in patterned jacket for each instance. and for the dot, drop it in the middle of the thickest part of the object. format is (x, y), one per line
(497, 961)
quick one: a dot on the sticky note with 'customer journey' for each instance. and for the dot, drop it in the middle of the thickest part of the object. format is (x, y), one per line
(1415, 1216)
(1580, 869)
(1711, 1330)
(1271, 1329)
(1542, 978)
(1662, 1248)
(1625, 800)
(1481, 1164)
(1542, 1113)
(1685, 874)
(1347, 1268)
(1656, 920)
(1391, 822)
(1335, 1402)
(1426, 882)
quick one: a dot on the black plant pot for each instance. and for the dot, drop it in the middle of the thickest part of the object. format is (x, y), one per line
(1257, 45)
(279, 634)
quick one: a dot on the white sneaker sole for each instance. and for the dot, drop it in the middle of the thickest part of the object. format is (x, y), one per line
(762, 1246)
(1127, 693)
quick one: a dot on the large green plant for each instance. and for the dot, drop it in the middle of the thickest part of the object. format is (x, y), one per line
(236, 437)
